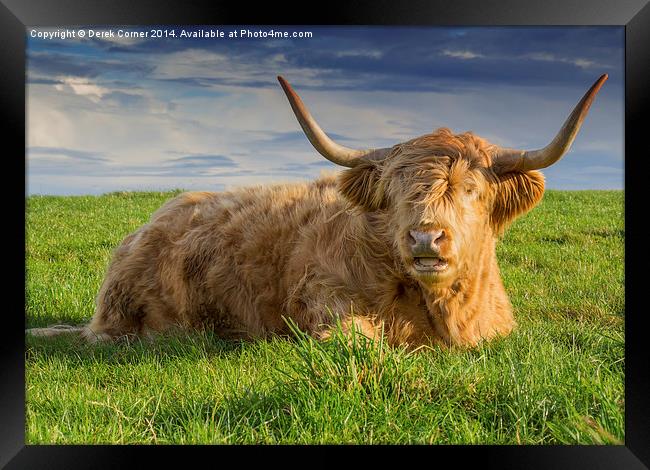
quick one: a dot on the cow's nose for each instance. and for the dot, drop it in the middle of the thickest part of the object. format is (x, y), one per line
(425, 241)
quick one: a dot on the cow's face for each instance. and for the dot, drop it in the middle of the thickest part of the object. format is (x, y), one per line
(442, 201)
(443, 195)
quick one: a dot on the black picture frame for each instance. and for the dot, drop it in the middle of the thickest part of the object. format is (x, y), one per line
(633, 15)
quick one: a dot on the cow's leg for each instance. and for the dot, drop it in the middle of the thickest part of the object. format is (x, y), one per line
(404, 322)
(122, 313)
(97, 331)
(354, 325)
(115, 319)
(118, 314)
(317, 315)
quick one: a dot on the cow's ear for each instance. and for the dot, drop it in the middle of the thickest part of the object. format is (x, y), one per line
(516, 194)
(361, 185)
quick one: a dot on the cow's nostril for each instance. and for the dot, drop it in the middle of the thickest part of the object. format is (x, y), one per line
(427, 240)
(411, 237)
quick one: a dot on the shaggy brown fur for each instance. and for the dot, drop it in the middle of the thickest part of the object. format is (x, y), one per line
(238, 262)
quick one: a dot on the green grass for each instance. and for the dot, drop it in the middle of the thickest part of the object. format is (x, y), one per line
(558, 379)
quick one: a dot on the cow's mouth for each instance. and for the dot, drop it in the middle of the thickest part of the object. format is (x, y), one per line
(430, 264)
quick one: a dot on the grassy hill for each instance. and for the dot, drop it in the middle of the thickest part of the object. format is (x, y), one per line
(559, 378)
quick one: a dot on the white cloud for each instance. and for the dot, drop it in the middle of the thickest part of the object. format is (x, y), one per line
(83, 87)
(541, 56)
(578, 62)
(230, 73)
(190, 63)
(374, 54)
(462, 54)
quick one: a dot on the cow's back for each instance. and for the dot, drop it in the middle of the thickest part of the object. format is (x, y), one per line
(214, 260)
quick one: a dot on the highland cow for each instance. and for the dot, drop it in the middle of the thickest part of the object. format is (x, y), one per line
(402, 242)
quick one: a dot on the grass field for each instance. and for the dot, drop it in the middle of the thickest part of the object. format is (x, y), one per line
(559, 378)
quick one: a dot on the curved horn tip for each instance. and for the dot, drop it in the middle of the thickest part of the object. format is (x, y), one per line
(283, 83)
(513, 159)
(602, 79)
(334, 152)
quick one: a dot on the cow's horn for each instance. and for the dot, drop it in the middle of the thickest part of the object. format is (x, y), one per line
(327, 147)
(507, 159)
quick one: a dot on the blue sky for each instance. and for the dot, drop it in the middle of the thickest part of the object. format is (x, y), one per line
(208, 114)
